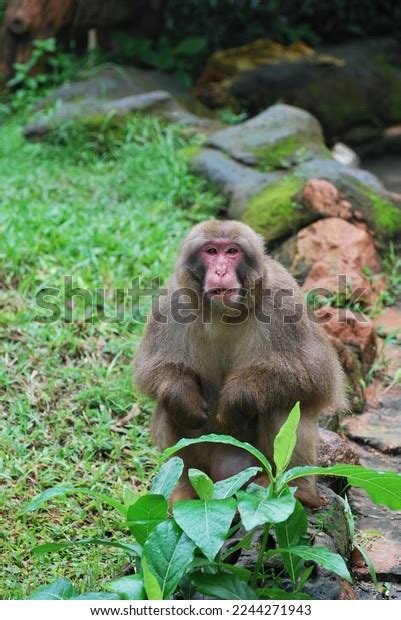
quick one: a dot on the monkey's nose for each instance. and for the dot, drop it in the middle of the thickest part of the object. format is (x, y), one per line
(221, 271)
(18, 26)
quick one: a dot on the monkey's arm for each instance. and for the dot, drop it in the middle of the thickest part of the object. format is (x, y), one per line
(161, 372)
(263, 388)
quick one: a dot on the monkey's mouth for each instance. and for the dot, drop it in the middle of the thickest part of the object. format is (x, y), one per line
(222, 292)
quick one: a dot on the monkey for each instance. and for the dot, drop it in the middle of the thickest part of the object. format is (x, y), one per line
(230, 348)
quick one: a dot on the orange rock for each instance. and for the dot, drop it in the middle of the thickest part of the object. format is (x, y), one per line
(322, 197)
(338, 253)
(352, 329)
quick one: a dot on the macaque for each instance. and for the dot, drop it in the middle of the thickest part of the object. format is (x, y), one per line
(230, 348)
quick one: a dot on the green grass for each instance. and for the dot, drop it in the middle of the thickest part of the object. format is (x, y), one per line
(66, 392)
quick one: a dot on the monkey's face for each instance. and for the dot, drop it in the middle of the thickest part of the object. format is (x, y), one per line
(221, 259)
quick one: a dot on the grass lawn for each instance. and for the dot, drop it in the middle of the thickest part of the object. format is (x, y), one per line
(68, 410)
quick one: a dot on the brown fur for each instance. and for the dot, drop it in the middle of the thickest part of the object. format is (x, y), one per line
(241, 379)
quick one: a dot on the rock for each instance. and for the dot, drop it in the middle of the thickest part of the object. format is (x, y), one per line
(361, 71)
(379, 530)
(345, 156)
(159, 103)
(275, 211)
(353, 336)
(278, 209)
(335, 449)
(238, 183)
(117, 91)
(331, 520)
(332, 255)
(324, 585)
(323, 198)
(354, 330)
(371, 202)
(228, 63)
(277, 138)
(379, 428)
(118, 82)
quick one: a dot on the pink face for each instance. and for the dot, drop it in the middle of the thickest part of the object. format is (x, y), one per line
(221, 258)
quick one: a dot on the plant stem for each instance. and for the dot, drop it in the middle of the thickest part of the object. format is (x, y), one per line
(261, 553)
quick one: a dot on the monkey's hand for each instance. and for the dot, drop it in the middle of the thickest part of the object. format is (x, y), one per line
(180, 395)
(238, 404)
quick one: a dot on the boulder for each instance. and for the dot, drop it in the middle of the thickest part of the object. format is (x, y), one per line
(353, 329)
(371, 202)
(335, 449)
(260, 74)
(278, 137)
(100, 113)
(379, 427)
(353, 336)
(236, 182)
(332, 255)
(116, 92)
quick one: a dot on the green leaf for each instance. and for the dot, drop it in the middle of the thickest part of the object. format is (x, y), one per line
(130, 588)
(368, 562)
(322, 556)
(167, 477)
(59, 590)
(229, 486)
(349, 517)
(286, 439)
(143, 516)
(257, 509)
(291, 533)
(168, 553)
(224, 586)
(131, 548)
(244, 543)
(277, 594)
(206, 522)
(95, 596)
(59, 491)
(202, 484)
(225, 439)
(151, 584)
(190, 45)
(243, 573)
(383, 487)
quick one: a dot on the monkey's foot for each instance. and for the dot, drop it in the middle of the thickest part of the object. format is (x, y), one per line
(310, 498)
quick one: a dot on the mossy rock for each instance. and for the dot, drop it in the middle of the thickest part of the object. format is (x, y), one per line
(278, 138)
(288, 152)
(366, 193)
(274, 211)
(363, 87)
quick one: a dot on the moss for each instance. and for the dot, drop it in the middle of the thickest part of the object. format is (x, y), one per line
(274, 212)
(386, 215)
(189, 152)
(287, 152)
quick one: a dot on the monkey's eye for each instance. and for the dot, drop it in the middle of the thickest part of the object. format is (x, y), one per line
(232, 251)
(211, 251)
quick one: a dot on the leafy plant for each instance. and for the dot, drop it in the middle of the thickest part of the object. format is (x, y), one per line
(178, 59)
(31, 81)
(188, 545)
